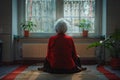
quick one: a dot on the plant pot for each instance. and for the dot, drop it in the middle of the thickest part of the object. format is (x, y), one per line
(85, 33)
(115, 63)
(26, 33)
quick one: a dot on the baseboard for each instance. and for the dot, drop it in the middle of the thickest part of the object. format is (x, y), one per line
(7, 63)
(88, 61)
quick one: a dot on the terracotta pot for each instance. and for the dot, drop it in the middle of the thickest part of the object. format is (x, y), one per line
(85, 33)
(115, 63)
(26, 33)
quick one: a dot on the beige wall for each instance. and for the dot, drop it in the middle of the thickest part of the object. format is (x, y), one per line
(6, 29)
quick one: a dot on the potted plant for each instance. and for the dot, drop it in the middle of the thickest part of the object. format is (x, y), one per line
(27, 26)
(85, 25)
(112, 43)
(115, 49)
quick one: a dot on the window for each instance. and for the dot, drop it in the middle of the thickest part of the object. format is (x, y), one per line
(43, 13)
(75, 10)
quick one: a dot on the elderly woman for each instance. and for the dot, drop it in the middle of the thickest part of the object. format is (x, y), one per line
(61, 55)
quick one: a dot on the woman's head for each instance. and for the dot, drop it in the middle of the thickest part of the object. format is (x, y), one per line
(61, 25)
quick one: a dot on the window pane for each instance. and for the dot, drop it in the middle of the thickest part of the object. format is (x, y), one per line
(75, 10)
(42, 12)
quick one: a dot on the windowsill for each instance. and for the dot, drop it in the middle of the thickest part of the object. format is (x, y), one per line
(44, 39)
(47, 37)
(74, 35)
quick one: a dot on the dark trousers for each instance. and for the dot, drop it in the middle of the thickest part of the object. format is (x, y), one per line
(47, 67)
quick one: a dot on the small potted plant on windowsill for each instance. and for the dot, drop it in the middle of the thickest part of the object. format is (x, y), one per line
(27, 27)
(85, 25)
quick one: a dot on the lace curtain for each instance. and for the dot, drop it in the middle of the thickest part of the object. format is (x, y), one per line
(43, 13)
(75, 10)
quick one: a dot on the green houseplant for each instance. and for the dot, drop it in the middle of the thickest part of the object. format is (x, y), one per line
(85, 25)
(27, 26)
(112, 43)
(115, 47)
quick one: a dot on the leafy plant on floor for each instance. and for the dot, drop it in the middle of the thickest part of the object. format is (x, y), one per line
(112, 43)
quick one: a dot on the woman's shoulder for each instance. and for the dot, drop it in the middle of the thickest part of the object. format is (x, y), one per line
(65, 36)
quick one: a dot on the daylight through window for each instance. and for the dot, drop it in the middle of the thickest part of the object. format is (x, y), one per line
(43, 13)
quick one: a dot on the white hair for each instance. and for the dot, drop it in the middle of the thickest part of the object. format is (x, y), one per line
(61, 25)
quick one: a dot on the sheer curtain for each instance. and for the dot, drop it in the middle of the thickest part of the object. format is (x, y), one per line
(75, 10)
(42, 12)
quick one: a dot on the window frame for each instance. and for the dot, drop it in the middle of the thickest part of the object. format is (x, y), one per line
(59, 14)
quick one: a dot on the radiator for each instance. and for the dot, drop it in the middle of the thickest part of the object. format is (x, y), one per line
(34, 50)
(39, 50)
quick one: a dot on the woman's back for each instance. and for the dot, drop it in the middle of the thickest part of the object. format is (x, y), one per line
(61, 52)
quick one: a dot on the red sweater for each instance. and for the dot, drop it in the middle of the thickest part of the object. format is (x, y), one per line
(60, 50)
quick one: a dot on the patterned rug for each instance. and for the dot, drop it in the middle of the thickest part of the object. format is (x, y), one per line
(25, 72)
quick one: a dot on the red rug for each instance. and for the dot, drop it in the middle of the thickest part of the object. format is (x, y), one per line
(13, 74)
(16, 72)
(108, 74)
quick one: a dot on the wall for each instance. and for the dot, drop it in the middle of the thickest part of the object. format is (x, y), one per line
(113, 15)
(6, 29)
(113, 18)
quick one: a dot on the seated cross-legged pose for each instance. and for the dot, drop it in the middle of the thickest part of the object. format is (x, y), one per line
(61, 54)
